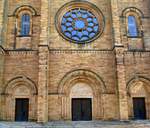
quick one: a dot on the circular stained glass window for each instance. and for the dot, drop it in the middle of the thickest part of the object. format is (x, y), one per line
(80, 24)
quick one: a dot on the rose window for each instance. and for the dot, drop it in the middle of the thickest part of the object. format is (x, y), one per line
(80, 24)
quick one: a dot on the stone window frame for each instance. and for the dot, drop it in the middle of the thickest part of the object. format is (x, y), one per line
(19, 22)
(18, 13)
(132, 11)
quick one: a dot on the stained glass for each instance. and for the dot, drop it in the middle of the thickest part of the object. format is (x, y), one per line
(132, 27)
(25, 25)
(79, 25)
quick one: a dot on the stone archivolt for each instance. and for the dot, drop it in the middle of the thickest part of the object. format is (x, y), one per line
(18, 81)
(72, 77)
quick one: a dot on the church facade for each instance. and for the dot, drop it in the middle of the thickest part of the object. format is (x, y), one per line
(74, 60)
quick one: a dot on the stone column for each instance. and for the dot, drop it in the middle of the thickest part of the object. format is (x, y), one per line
(42, 111)
(115, 21)
(123, 101)
(1, 18)
(1, 11)
(119, 48)
(2, 52)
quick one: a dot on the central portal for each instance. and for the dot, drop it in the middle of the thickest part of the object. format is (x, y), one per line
(81, 109)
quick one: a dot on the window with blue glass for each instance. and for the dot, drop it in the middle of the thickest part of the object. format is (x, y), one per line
(132, 26)
(80, 25)
(25, 25)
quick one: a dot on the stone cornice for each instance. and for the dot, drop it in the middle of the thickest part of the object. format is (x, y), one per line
(63, 94)
(59, 50)
(21, 52)
(137, 53)
(18, 52)
(97, 51)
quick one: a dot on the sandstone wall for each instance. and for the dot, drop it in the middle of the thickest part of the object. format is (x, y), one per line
(114, 57)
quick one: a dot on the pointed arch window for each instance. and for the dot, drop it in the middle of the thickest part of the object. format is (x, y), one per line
(132, 26)
(25, 24)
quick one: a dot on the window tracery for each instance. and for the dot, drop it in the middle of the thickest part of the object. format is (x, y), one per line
(78, 22)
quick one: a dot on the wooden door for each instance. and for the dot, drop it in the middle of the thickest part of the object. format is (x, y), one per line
(139, 108)
(21, 109)
(81, 109)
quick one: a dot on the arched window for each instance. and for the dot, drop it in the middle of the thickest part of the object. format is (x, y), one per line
(132, 26)
(25, 24)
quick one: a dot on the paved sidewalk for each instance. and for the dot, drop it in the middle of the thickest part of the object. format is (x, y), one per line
(69, 124)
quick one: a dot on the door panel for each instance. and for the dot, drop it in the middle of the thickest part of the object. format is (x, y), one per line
(86, 109)
(139, 108)
(76, 104)
(21, 109)
(81, 109)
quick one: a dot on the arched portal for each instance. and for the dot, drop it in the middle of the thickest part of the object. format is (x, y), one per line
(81, 96)
(139, 98)
(81, 85)
(20, 94)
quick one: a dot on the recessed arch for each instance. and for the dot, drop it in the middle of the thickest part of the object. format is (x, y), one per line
(25, 7)
(132, 9)
(20, 80)
(20, 87)
(138, 90)
(134, 13)
(133, 80)
(87, 84)
(132, 25)
(24, 29)
(82, 75)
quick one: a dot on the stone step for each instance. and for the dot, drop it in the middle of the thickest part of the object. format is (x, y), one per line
(77, 124)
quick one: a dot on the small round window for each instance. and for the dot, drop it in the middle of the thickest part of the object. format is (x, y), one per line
(80, 23)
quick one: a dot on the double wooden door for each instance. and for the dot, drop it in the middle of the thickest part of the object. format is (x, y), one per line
(81, 109)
